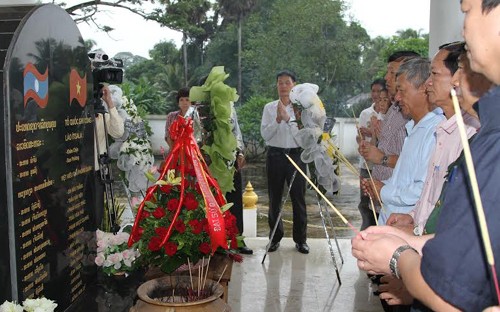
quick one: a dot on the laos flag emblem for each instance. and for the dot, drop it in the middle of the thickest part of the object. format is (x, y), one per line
(36, 85)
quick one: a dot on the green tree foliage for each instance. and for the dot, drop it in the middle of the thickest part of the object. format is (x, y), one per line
(237, 10)
(310, 38)
(407, 39)
(249, 117)
(146, 96)
(192, 19)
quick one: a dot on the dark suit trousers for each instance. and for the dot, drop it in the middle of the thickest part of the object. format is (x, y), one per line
(279, 170)
(236, 197)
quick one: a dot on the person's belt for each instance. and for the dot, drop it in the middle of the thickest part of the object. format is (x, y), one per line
(282, 150)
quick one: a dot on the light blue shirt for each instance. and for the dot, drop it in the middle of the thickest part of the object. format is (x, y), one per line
(402, 190)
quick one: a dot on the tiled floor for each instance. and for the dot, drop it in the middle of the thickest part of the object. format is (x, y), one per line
(289, 281)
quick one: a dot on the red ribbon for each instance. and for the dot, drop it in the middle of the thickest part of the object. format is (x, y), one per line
(185, 148)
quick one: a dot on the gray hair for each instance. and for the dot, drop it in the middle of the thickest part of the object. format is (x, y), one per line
(416, 69)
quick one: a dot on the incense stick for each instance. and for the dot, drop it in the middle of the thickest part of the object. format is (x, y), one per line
(373, 210)
(206, 272)
(223, 271)
(321, 194)
(190, 276)
(475, 191)
(367, 167)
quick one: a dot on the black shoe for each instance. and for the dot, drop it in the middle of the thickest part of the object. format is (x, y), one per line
(245, 250)
(274, 246)
(302, 248)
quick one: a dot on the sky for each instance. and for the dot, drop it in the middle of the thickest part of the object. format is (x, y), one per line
(134, 34)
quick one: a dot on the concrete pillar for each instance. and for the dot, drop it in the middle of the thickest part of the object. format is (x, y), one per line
(445, 23)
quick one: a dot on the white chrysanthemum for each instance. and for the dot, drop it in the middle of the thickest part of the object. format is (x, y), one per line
(39, 305)
(10, 307)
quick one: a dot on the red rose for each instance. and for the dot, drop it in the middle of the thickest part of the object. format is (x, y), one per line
(180, 226)
(170, 249)
(161, 231)
(196, 226)
(166, 188)
(190, 196)
(154, 243)
(204, 223)
(159, 213)
(197, 188)
(190, 204)
(145, 214)
(172, 204)
(204, 248)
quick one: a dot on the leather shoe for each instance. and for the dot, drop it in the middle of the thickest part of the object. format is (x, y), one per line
(302, 248)
(245, 250)
(274, 246)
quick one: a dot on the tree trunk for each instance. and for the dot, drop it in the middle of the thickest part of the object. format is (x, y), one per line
(240, 18)
(185, 58)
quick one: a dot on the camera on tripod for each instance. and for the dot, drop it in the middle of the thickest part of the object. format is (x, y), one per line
(104, 70)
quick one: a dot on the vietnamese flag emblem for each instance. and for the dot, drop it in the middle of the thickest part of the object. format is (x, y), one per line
(77, 88)
(36, 85)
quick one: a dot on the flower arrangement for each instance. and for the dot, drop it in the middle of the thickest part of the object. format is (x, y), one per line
(29, 305)
(318, 147)
(113, 253)
(189, 240)
(184, 216)
(133, 150)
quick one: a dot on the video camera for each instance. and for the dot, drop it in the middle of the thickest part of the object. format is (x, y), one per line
(104, 70)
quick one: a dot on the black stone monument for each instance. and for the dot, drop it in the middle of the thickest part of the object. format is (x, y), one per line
(46, 161)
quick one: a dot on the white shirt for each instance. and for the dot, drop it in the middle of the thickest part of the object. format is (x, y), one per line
(364, 122)
(115, 126)
(278, 134)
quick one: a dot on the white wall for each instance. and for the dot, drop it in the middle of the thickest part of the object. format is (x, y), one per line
(157, 123)
(345, 129)
(445, 23)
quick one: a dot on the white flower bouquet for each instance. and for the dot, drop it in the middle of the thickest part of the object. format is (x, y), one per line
(29, 305)
(113, 253)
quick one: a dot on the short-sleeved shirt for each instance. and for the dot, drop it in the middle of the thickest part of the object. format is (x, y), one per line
(390, 140)
(453, 262)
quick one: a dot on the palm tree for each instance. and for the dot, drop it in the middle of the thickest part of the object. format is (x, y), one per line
(237, 10)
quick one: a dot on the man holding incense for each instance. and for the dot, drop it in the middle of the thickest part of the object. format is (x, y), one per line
(451, 272)
(402, 190)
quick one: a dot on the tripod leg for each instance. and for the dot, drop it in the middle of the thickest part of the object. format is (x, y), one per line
(106, 175)
(330, 223)
(279, 216)
(332, 254)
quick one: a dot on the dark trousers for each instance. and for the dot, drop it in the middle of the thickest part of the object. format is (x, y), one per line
(279, 170)
(236, 197)
(364, 208)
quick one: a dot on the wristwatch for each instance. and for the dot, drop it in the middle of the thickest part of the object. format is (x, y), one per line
(393, 263)
(385, 161)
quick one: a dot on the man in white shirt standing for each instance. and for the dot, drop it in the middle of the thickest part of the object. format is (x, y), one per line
(279, 128)
(366, 133)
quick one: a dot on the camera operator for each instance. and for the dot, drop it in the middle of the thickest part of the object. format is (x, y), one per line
(114, 126)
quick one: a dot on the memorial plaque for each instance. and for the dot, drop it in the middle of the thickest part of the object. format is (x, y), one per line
(49, 159)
